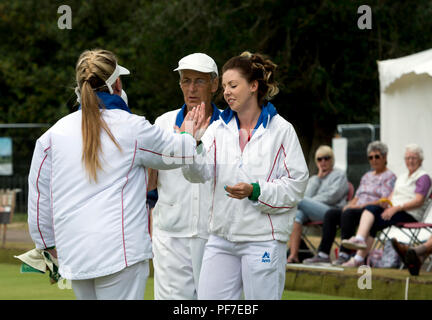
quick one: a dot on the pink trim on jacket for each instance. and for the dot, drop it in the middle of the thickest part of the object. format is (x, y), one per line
(37, 187)
(164, 155)
(127, 180)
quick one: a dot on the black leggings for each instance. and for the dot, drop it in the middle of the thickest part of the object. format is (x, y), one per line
(348, 220)
(380, 224)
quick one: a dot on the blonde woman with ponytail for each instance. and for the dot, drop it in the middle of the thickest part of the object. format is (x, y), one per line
(88, 181)
(258, 172)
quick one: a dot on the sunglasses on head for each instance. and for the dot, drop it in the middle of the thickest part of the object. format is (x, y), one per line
(377, 156)
(326, 158)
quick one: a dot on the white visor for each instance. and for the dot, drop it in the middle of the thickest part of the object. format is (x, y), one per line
(118, 71)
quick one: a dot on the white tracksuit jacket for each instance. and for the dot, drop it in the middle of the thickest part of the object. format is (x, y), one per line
(182, 209)
(98, 228)
(273, 157)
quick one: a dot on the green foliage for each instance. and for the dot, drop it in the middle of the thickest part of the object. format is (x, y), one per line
(327, 65)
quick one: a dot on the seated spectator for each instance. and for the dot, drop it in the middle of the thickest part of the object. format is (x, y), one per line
(405, 204)
(328, 189)
(413, 258)
(375, 184)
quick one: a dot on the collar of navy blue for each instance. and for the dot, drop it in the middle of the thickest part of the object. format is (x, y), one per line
(268, 111)
(111, 101)
(181, 115)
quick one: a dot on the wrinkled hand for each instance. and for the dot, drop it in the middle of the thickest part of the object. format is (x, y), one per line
(239, 191)
(195, 122)
(388, 213)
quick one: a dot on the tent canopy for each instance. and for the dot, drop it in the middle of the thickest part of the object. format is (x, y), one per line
(406, 113)
(406, 107)
(393, 69)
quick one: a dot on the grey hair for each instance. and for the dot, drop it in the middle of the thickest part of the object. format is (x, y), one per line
(379, 146)
(415, 148)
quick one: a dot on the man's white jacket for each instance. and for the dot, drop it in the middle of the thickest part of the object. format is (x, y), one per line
(98, 228)
(273, 158)
(182, 209)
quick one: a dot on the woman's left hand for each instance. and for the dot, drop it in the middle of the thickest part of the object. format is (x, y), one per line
(389, 212)
(239, 191)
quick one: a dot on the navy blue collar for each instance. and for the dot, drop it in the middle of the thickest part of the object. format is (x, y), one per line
(181, 114)
(111, 101)
(268, 111)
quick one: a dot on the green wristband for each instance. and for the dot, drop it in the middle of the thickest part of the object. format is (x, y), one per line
(187, 133)
(255, 192)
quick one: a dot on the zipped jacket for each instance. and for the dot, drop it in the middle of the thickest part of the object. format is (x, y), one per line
(100, 227)
(273, 158)
(182, 209)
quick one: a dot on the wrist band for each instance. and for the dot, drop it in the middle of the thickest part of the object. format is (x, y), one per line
(187, 133)
(256, 191)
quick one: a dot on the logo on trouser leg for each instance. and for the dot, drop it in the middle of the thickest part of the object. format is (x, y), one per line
(266, 257)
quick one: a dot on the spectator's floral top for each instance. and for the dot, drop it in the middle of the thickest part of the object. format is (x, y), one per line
(375, 186)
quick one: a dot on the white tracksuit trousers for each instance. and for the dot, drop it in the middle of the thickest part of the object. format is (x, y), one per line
(127, 284)
(177, 265)
(256, 268)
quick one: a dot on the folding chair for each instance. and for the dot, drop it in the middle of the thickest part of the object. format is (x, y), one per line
(314, 225)
(411, 233)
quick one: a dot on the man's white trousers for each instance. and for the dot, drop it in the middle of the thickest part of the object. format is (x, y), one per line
(177, 265)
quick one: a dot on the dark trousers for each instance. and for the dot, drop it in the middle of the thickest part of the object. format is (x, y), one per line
(347, 220)
(380, 224)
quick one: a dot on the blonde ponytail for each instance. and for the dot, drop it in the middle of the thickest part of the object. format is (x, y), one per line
(92, 69)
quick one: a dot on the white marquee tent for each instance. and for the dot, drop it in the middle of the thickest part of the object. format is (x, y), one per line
(406, 110)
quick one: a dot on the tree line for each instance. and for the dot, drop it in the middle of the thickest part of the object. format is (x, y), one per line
(327, 68)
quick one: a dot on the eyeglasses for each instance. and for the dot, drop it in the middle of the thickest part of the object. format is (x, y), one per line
(326, 158)
(376, 156)
(197, 82)
(411, 158)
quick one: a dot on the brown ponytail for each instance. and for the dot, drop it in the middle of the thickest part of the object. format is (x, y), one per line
(92, 70)
(255, 66)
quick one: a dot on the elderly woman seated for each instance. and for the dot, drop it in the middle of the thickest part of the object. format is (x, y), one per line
(328, 189)
(405, 204)
(375, 184)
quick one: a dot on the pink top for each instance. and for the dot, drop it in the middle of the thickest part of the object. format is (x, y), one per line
(375, 186)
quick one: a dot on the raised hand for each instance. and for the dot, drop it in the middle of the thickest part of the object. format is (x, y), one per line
(195, 122)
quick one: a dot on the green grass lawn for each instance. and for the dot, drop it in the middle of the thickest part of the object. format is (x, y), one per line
(33, 286)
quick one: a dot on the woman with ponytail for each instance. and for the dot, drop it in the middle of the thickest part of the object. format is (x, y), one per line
(88, 181)
(253, 158)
